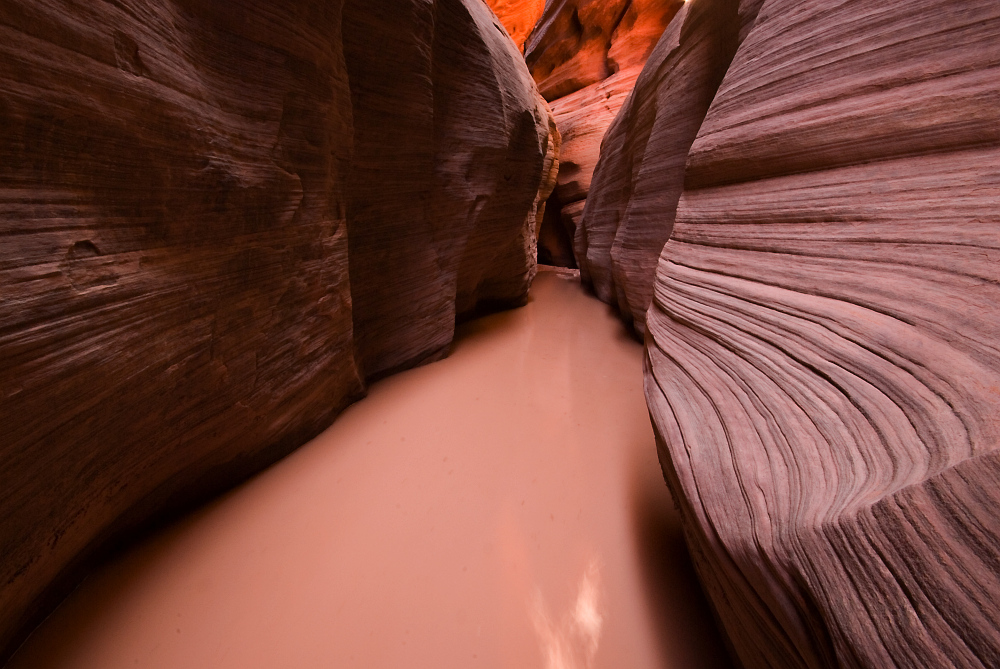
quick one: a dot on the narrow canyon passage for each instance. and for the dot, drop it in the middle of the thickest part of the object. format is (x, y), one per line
(501, 508)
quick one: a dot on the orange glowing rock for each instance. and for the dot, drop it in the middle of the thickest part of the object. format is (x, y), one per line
(578, 43)
(585, 56)
(518, 17)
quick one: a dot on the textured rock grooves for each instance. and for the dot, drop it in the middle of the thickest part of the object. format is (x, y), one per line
(640, 176)
(823, 367)
(447, 209)
(585, 56)
(175, 228)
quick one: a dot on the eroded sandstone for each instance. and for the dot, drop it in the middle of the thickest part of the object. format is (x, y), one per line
(450, 141)
(189, 211)
(823, 358)
(640, 176)
(518, 17)
(585, 56)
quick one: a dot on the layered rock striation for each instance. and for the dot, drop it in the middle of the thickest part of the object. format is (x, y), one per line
(585, 56)
(640, 176)
(218, 220)
(578, 43)
(823, 343)
(450, 143)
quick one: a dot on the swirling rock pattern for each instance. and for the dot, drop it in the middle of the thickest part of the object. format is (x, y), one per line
(177, 270)
(578, 43)
(823, 364)
(640, 176)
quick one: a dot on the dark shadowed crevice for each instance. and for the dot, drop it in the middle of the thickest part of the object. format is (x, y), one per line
(555, 241)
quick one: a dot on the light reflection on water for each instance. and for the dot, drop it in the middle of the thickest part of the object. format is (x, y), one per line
(571, 641)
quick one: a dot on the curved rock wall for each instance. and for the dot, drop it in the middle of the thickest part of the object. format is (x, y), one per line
(578, 43)
(450, 138)
(190, 202)
(823, 344)
(518, 17)
(640, 176)
(585, 56)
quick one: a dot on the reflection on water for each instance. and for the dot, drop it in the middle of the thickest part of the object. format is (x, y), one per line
(571, 642)
(502, 508)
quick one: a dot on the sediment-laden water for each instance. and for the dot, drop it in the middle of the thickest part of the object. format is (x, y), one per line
(501, 508)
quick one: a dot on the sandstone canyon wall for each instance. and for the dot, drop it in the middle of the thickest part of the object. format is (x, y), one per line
(585, 56)
(217, 220)
(518, 17)
(444, 186)
(640, 176)
(823, 345)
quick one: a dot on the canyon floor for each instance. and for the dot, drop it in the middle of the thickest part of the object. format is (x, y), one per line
(501, 508)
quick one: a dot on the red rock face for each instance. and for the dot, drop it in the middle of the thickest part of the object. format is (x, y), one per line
(586, 57)
(445, 180)
(518, 17)
(578, 43)
(823, 355)
(640, 176)
(191, 203)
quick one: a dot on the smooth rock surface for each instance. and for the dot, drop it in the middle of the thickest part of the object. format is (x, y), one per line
(586, 57)
(452, 147)
(518, 17)
(501, 508)
(640, 176)
(823, 361)
(583, 118)
(177, 184)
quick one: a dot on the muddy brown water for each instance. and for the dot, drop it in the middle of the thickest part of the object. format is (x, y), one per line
(501, 508)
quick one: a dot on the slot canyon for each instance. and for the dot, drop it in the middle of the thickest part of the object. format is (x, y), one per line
(565, 334)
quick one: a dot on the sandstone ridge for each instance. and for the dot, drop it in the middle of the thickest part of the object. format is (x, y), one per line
(640, 176)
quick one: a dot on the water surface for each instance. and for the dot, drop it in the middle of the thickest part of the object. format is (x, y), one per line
(501, 508)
